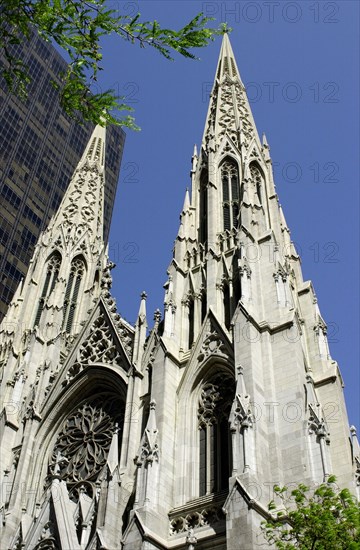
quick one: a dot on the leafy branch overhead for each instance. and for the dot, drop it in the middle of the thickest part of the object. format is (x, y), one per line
(77, 27)
(323, 519)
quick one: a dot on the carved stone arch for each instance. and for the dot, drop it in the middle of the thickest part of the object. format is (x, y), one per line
(210, 367)
(54, 252)
(92, 387)
(79, 256)
(231, 156)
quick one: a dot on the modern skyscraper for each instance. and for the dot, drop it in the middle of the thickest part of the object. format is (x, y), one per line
(115, 439)
(40, 147)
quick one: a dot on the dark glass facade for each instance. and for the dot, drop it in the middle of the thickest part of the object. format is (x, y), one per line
(40, 147)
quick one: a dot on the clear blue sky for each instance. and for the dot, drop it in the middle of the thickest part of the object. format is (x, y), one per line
(300, 62)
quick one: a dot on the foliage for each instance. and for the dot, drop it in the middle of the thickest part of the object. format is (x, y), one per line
(324, 519)
(78, 26)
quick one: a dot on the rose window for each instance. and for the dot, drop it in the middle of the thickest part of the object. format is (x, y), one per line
(82, 446)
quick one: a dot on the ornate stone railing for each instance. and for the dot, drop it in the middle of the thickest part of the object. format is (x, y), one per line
(203, 512)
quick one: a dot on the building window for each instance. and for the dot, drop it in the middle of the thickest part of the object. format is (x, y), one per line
(52, 272)
(227, 305)
(203, 306)
(203, 206)
(191, 321)
(78, 459)
(214, 435)
(72, 292)
(230, 192)
(236, 290)
(258, 179)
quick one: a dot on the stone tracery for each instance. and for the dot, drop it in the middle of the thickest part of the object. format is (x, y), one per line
(81, 448)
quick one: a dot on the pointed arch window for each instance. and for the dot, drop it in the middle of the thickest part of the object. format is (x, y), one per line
(191, 321)
(215, 462)
(236, 289)
(203, 207)
(227, 304)
(258, 179)
(77, 271)
(230, 194)
(52, 272)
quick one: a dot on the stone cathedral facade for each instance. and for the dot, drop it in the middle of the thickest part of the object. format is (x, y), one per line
(114, 437)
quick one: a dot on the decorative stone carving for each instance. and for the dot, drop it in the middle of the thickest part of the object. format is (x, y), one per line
(215, 401)
(317, 425)
(205, 515)
(99, 346)
(212, 345)
(47, 540)
(243, 416)
(149, 450)
(320, 326)
(82, 446)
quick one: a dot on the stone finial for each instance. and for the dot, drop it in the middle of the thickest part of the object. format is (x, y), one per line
(157, 318)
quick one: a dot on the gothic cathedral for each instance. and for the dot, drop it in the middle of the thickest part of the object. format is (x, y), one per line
(115, 438)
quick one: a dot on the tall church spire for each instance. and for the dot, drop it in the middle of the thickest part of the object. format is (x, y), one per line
(229, 112)
(65, 272)
(239, 368)
(82, 207)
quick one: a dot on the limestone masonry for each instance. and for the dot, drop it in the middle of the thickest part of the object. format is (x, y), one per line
(113, 438)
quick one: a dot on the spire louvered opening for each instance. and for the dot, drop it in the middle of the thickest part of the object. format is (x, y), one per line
(52, 272)
(233, 67)
(77, 271)
(91, 149)
(96, 151)
(230, 193)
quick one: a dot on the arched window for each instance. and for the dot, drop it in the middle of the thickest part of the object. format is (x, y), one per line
(72, 291)
(236, 283)
(81, 449)
(227, 305)
(236, 290)
(191, 321)
(203, 206)
(230, 191)
(215, 464)
(203, 306)
(258, 179)
(52, 272)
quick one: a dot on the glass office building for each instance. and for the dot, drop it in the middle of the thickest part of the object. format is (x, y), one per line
(40, 147)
